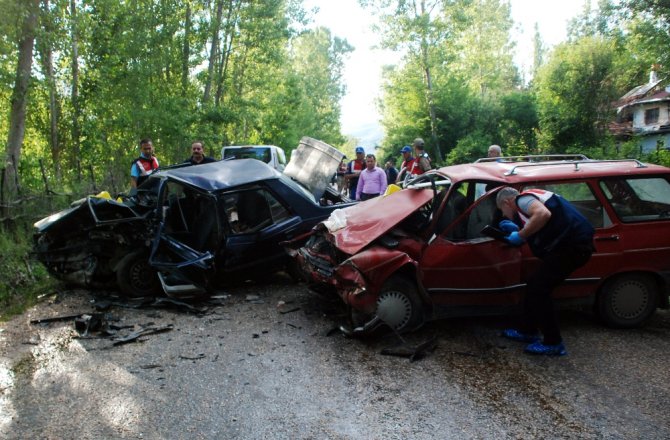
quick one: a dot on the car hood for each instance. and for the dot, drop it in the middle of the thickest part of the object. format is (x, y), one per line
(367, 221)
(313, 164)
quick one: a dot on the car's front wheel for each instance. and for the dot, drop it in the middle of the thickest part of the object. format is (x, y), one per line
(399, 306)
(628, 300)
(135, 277)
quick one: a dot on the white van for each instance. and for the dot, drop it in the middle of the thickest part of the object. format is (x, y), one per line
(270, 154)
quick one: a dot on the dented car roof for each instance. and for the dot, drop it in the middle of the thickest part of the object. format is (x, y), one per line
(222, 174)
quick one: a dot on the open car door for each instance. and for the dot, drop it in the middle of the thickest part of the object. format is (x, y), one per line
(186, 241)
(452, 264)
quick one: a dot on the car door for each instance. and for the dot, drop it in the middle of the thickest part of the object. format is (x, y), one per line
(257, 222)
(187, 236)
(463, 267)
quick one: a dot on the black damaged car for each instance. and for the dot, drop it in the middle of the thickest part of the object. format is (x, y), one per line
(191, 229)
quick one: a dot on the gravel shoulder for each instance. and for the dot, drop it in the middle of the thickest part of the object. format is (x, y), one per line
(264, 363)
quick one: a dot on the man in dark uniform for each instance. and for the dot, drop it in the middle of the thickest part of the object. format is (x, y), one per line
(562, 238)
(198, 154)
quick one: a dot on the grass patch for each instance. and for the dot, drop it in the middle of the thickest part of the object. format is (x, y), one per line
(23, 280)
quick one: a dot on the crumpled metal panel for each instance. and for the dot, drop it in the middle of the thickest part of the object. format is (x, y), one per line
(369, 220)
(313, 164)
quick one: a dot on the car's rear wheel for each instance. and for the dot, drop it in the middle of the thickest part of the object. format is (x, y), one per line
(135, 277)
(399, 306)
(628, 300)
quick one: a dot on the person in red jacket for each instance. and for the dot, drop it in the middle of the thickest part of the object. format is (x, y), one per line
(422, 162)
(407, 163)
(353, 172)
(144, 165)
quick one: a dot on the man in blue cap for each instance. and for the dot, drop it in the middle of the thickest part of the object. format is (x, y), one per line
(354, 169)
(407, 163)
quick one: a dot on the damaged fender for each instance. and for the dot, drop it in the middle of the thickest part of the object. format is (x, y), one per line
(369, 270)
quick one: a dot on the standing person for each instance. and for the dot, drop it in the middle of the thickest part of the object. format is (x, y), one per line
(494, 151)
(391, 172)
(339, 176)
(422, 162)
(354, 169)
(198, 154)
(407, 163)
(143, 165)
(562, 239)
(372, 181)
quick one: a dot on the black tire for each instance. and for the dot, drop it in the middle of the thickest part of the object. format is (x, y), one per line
(135, 277)
(399, 305)
(628, 301)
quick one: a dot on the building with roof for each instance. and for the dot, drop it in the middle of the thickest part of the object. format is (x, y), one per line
(643, 114)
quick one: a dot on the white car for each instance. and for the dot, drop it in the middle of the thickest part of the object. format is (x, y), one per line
(270, 154)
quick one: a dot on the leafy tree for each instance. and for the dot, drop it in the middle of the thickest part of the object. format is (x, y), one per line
(19, 99)
(518, 123)
(464, 56)
(574, 94)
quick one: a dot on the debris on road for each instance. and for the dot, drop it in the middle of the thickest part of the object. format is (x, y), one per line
(142, 332)
(192, 358)
(55, 319)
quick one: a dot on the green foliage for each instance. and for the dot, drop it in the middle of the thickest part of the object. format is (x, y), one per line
(574, 94)
(466, 47)
(142, 70)
(469, 148)
(23, 279)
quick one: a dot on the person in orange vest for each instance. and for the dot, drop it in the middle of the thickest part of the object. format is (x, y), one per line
(407, 163)
(354, 169)
(145, 164)
(422, 161)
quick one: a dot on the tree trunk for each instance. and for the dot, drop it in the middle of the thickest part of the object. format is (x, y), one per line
(229, 37)
(74, 96)
(213, 51)
(17, 117)
(429, 90)
(44, 44)
(186, 51)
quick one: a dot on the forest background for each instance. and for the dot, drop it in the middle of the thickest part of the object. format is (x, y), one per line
(82, 81)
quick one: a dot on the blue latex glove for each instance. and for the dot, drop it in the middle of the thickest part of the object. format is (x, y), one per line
(508, 226)
(515, 239)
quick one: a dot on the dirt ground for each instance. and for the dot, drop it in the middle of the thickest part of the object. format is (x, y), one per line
(265, 363)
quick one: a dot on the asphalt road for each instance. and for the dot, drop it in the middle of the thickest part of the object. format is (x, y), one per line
(264, 364)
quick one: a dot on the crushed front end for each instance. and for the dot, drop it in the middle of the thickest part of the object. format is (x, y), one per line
(82, 245)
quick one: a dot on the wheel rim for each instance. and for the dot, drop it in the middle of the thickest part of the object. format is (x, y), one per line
(141, 276)
(395, 309)
(630, 299)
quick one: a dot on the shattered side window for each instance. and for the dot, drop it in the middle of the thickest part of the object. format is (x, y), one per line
(252, 210)
(636, 200)
(456, 204)
(580, 195)
(190, 217)
(470, 226)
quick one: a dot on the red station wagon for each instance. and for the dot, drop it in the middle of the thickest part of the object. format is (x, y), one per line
(420, 253)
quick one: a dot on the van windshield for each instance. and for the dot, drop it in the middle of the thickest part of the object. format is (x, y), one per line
(260, 153)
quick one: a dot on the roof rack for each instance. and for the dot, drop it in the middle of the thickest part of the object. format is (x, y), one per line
(533, 158)
(576, 163)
